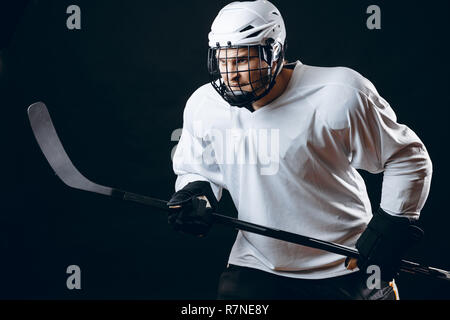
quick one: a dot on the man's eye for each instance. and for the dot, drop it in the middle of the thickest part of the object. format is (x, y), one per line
(241, 60)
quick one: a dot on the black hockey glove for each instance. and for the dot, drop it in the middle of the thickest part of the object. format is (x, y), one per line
(193, 215)
(385, 241)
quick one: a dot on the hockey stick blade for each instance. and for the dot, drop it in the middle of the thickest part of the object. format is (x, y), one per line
(53, 150)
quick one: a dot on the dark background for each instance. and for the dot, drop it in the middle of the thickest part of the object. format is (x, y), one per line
(116, 90)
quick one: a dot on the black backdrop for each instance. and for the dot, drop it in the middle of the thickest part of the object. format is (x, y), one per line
(116, 91)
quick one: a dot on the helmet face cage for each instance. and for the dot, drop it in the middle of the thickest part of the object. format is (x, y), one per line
(263, 76)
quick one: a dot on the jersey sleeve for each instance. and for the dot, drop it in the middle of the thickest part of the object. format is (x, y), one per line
(193, 159)
(378, 143)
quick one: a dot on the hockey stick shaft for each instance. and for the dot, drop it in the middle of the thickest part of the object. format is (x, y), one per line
(60, 162)
(247, 226)
(406, 266)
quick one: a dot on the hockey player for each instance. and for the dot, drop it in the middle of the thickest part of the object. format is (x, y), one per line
(286, 140)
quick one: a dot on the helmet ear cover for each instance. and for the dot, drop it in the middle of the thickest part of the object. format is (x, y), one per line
(270, 53)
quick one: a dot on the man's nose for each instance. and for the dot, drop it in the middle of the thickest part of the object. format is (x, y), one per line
(232, 71)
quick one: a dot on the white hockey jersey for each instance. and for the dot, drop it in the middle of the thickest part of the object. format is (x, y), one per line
(291, 165)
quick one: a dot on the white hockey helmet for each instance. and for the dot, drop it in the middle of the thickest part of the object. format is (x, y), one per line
(247, 23)
(243, 25)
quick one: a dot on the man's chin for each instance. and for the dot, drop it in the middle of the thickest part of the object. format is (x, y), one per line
(245, 89)
(239, 91)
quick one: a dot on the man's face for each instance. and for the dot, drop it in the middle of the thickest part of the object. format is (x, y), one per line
(242, 69)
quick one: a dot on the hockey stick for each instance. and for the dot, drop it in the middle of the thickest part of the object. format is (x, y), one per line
(60, 162)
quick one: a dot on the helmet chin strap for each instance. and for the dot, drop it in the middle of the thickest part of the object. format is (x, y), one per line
(238, 98)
